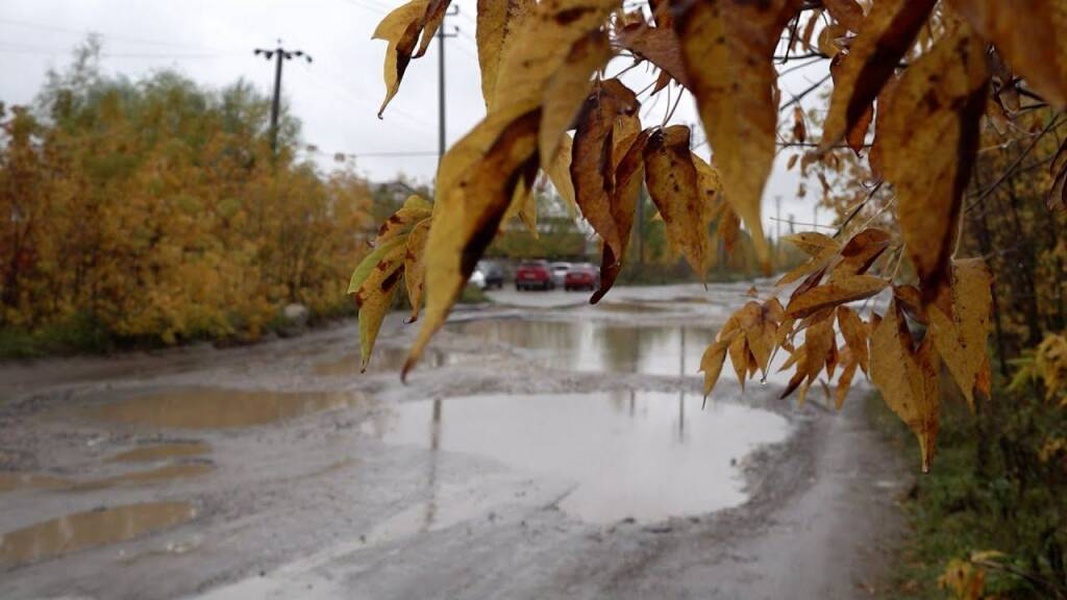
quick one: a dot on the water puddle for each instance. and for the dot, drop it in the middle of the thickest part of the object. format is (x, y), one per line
(91, 528)
(389, 359)
(642, 455)
(164, 473)
(10, 482)
(597, 346)
(162, 452)
(220, 409)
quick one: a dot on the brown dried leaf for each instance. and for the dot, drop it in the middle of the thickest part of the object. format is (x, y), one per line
(813, 243)
(566, 90)
(659, 45)
(674, 186)
(882, 40)
(846, 12)
(729, 229)
(929, 143)
(728, 50)
(834, 293)
(856, 335)
(1030, 36)
(800, 132)
(860, 252)
(629, 175)
(592, 170)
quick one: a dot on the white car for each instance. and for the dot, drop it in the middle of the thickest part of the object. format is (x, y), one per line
(559, 272)
(477, 279)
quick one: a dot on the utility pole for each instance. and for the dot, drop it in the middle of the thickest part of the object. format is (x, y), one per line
(441, 35)
(278, 54)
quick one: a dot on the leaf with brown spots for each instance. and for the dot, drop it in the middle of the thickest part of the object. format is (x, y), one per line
(860, 252)
(1030, 35)
(414, 210)
(907, 379)
(401, 29)
(674, 185)
(882, 40)
(498, 20)
(961, 338)
(591, 166)
(929, 144)
(728, 49)
(834, 293)
(373, 285)
(431, 22)
(415, 266)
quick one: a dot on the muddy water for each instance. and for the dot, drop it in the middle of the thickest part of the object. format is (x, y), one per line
(641, 455)
(164, 473)
(91, 528)
(599, 346)
(157, 452)
(10, 482)
(220, 409)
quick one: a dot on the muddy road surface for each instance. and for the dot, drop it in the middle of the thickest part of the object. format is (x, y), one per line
(543, 449)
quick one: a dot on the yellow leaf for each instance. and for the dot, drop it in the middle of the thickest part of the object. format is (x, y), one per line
(559, 173)
(961, 338)
(524, 206)
(884, 37)
(711, 363)
(929, 143)
(844, 382)
(813, 243)
(415, 266)
(401, 29)
(834, 293)
(366, 266)
(728, 50)
(907, 379)
(498, 20)
(375, 295)
(592, 170)
(414, 210)
(860, 252)
(1030, 36)
(673, 184)
(855, 333)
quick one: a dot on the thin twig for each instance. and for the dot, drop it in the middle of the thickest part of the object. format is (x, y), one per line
(1054, 122)
(859, 207)
(797, 98)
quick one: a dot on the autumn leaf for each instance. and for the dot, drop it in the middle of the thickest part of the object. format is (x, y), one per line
(836, 292)
(373, 285)
(591, 167)
(860, 252)
(856, 335)
(929, 143)
(846, 12)
(1030, 36)
(856, 136)
(727, 49)
(415, 266)
(960, 339)
(629, 175)
(882, 40)
(401, 29)
(907, 379)
(559, 173)
(497, 22)
(813, 243)
(431, 22)
(729, 229)
(800, 131)
(715, 355)
(659, 45)
(414, 210)
(566, 90)
(674, 185)
(848, 371)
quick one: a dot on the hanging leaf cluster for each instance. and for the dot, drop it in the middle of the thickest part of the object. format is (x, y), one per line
(921, 73)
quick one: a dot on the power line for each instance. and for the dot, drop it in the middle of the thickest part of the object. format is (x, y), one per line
(112, 36)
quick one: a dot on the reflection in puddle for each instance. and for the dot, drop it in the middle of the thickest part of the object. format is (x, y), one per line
(91, 528)
(10, 482)
(643, 455)
(219, 409)
(596, 346)
(162, 451)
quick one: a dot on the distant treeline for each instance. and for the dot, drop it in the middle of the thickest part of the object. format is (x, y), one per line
(153, 212)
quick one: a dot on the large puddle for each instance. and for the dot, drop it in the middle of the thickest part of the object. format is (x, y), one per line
(220, 409)
(91, 528)
(599, 346)
(642, 455)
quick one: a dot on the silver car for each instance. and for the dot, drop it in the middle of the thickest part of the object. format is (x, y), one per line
(559, 272)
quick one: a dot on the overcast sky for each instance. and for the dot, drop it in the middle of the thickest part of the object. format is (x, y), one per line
(336, 97)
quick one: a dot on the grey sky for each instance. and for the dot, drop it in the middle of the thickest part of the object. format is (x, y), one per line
(336, 97)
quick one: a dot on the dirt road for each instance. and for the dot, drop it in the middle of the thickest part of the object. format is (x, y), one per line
(544, 449)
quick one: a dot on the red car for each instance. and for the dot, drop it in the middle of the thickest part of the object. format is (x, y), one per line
(534, 274)
(582, 277)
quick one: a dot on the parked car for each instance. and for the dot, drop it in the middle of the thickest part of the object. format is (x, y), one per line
(494, 274)
(559, 272)
(534, 274)
(584, 276)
